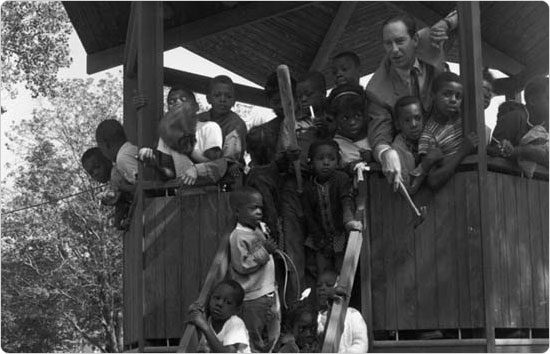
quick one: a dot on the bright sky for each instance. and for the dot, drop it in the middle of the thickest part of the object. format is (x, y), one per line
(179, 58)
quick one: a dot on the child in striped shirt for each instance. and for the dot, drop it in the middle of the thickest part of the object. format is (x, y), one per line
(443, 132)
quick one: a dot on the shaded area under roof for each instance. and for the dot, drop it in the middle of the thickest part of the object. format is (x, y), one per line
(252, 38)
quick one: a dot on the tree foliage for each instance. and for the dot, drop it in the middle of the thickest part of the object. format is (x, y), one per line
(35, 44)
(62, 261)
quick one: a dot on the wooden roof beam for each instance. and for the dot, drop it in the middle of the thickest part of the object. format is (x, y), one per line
(492, 57)
(334, 33)
(223, 21)
(200, 84)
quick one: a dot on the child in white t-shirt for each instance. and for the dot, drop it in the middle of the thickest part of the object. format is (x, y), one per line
(222, 331)
(190, 144)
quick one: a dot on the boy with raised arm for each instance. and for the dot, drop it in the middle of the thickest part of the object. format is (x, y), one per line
(253, 267)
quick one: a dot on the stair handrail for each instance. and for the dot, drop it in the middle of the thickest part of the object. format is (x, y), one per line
(337, 312)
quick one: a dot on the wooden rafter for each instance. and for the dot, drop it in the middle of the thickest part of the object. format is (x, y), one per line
(199, 84)
(492, 57)
(223, 21)
(334, 33)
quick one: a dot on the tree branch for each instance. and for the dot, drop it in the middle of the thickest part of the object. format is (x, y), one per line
(84, 334)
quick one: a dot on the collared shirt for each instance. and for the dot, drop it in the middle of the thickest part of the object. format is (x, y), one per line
(405, 75)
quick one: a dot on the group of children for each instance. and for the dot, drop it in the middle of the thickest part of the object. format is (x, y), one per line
(311, 227)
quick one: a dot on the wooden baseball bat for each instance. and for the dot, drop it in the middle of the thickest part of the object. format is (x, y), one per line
(289, 124)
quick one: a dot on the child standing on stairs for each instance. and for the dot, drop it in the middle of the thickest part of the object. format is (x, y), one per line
(253, 267)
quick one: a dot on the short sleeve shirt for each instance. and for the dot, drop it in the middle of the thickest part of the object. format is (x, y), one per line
(446, 137)
(233, 332)
(209, 135)
(127, 163)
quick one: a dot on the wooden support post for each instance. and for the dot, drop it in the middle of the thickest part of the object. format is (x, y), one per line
(150, 74)
(333, 34)
(148, 38)
(471, 72)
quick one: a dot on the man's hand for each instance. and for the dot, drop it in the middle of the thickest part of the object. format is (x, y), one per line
(270, 246)
(190, 176)
(469, 143)
(438, 34)
(391, 167)
(354, 225)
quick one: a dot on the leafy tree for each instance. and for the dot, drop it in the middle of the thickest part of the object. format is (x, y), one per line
(61, 261)
(35, 44)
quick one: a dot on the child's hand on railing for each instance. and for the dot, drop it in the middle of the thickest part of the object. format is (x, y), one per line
(190, 176)
(146, 155)
(354, 225)
(197, 316)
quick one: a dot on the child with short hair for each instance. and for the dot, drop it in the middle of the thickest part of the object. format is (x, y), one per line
(354, 335)
(522, 134)
(409, 123)
(301, 325)
(112, 141)
(192, 146)
(119, 193)
(253, 267)
(222, 331)
(328, 206)
(443, 132)
(221, 96)
(347, 105)
(346, 68)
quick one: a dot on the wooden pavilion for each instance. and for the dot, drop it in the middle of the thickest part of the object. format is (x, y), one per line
(475, 270)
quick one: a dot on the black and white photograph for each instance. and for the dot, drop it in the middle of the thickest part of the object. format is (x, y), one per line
(274, 176)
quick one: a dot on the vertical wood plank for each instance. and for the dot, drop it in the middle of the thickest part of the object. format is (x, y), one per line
(426, 271)
(445, 255)
(377, 241)
(512, 266)
(472, 232)
(154, 240)
(543, 205)
(463, 256)
(405, 264)
(173, 272)
(389, 257)
(190, 257)
(537, 263)
(524, 255)
(497, 232)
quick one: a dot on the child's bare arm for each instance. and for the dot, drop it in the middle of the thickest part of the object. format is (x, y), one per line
(533, 153)
(213, 153)
(438, 176)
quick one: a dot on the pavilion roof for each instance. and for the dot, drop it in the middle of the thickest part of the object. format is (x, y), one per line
(252, 38)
